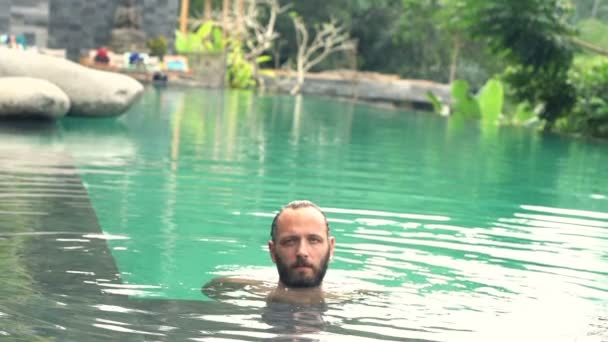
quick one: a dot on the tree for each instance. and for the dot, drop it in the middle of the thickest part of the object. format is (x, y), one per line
(259, 35)
(328, 38)
(533, 36)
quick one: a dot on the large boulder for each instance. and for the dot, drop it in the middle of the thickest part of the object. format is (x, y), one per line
(91, 92)
(30, 97)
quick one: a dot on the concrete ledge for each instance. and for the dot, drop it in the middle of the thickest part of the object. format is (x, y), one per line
(365, 87)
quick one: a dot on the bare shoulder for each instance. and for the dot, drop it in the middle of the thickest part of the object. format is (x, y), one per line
(228, 286)
(231, 287)
(219, 281)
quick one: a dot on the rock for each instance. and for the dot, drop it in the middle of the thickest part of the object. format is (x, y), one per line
(31, 97)
(91, 92)
(361, 86)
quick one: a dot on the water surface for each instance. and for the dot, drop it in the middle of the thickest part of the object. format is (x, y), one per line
(108, 228)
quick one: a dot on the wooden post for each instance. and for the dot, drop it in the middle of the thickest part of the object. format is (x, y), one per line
(183, 19)
(240, 13)
(225, 15)
(208, 9)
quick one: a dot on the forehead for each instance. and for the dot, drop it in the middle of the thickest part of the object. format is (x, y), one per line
(303, 220)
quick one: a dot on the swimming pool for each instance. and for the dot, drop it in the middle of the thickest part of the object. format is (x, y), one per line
(455, 232)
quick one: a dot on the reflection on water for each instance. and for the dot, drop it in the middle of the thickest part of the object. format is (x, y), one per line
(444, 231)
(291, 321)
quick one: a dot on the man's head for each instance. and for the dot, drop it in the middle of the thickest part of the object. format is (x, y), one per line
(300, 244)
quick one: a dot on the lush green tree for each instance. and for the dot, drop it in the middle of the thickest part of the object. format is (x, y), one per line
(533, 37)
(404, 37)
(589, 116)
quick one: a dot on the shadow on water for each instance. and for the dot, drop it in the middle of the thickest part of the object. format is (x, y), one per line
(22, 133)
(94, 126)
(31, 126)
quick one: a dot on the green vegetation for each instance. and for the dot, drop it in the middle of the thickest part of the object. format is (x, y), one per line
(207, 38)
(540, 57)
(594, 32)
(158, 46)
(532, 37)
(590, 113)
(241, 72)
(486, 105)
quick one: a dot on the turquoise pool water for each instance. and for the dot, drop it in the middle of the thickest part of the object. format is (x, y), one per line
(457, 232)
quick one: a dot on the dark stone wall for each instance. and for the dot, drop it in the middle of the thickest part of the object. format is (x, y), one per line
(5, 16)
(160, 18)
(27, 17)
(80, 25)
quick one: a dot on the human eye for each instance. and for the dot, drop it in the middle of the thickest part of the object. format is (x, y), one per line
(288, 241)
(315, 239)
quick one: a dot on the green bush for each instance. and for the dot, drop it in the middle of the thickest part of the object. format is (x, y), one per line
(589, 116)
(158, 47)
(532, 37)
(207, 38)
(486, 105)
(239, 72)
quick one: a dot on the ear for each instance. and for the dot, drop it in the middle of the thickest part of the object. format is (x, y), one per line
(332, 246)
(272, 251)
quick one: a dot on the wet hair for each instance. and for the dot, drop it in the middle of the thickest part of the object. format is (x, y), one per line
(294, 205)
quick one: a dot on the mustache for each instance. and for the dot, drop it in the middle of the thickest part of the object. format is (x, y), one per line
(302, 263)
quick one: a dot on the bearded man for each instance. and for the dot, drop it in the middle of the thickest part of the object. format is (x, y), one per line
(301, 248)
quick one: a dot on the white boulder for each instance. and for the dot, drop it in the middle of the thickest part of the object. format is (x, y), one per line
(91, 92)
(25, 97)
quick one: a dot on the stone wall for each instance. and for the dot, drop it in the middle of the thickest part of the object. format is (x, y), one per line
(78, 25)
(160, 18)
(208, 69)
(5, 16)
(27, 17)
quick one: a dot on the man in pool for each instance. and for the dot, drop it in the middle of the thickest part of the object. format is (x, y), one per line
(301, 248)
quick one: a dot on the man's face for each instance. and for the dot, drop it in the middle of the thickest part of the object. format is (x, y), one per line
(302, 248)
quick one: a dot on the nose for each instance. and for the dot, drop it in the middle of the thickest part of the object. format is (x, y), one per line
(302, 251)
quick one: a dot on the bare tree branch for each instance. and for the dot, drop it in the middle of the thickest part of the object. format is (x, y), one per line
(259, 36)
(329, 38)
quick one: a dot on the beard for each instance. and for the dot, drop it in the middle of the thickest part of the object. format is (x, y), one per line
(290, 277)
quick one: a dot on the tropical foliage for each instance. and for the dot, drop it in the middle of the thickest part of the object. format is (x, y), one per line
(528, 47)
(590, 113)
(207, 38)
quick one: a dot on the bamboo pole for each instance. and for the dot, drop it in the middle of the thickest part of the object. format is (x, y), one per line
(240, 12)
(208, 9)
(183, 19)
(225, 14)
